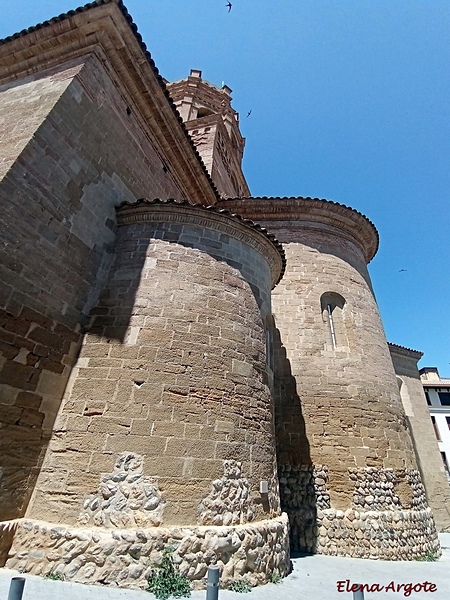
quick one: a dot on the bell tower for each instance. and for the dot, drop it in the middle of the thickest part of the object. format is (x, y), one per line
(214, 128)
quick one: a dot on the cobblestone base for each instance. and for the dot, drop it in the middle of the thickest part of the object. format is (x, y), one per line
(124, 558)
(384, 535)
(389, 519)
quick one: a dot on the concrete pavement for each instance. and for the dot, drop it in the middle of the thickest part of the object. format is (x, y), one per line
(312, 578)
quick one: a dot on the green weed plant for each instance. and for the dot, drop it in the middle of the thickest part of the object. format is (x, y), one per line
(165, 580)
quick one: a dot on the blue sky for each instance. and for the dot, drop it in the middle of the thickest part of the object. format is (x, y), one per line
(350, 102)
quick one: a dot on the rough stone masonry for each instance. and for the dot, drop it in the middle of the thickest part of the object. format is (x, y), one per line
(208, 370)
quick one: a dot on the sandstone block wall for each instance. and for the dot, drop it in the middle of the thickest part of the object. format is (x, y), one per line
(343, 442)
(424, 438)
(353, 414)
(174, 370)
(338, 404)
(71, 153)
(36, 348)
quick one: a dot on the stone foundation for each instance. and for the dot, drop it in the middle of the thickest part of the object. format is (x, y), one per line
(384, 535)
(125, 557)
(389, 518)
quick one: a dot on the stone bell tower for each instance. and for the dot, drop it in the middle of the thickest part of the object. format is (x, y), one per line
(214, 128)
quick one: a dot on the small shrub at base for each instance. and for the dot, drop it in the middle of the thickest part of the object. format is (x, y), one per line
(429, 556)
(276, 578)
(240, 586)
(54, 576)
(166, 581)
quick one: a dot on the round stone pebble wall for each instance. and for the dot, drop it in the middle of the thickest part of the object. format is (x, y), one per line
(125, 557)
(385, 535)
(389, 519)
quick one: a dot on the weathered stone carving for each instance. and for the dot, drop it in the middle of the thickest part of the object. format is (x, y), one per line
(125, 498)
(229, 502)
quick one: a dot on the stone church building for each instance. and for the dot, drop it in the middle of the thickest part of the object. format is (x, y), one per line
(182, 363)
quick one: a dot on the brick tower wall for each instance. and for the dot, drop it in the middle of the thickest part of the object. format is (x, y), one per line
(213, 125)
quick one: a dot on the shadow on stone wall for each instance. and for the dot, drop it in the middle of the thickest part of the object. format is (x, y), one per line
(36, 357)
(298, 476)
(7, 532)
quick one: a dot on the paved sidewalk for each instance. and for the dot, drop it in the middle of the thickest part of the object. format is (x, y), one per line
(312, 578)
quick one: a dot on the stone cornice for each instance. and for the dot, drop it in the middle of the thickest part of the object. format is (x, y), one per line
(210, 217)
(403, 351)
(105, 28)
(301, 212)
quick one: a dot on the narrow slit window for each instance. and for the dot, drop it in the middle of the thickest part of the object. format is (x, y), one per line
(330, 321)
(332, 306)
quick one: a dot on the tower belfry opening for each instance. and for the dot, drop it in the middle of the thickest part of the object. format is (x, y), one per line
(213, 126)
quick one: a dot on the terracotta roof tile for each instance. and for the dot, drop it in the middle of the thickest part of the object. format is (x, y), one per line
(371, 238)
(405, 349)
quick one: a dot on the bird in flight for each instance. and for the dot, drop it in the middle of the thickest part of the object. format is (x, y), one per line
(402, 270)
(249, 113)
(229, 6)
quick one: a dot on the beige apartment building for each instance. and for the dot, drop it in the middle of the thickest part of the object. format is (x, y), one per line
(437, 393)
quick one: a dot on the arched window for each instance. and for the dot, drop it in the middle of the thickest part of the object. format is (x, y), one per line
(332, 306)
(204, 112)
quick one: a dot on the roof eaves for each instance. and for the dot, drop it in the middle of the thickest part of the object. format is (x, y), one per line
(404, 350)
(223, 211)
(143, 46)
(273, 200)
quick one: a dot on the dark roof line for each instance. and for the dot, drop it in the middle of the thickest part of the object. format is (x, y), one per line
(397, 347)
(143, 46)
(223, 211)
(274, 199)
(66, 15)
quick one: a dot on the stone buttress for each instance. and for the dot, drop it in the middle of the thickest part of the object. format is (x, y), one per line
(348, 474)
(166, 428)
